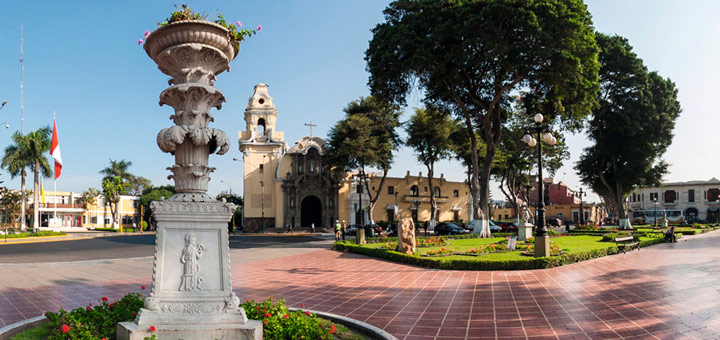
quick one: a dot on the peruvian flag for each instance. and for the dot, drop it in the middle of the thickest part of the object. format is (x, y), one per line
(55, 151)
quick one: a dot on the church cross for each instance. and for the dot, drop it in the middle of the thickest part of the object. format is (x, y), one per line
(311, 126)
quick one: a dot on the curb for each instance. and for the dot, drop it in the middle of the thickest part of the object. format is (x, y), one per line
(11, 330)
(356, 324)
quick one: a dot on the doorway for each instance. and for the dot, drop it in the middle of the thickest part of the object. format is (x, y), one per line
(311, 212)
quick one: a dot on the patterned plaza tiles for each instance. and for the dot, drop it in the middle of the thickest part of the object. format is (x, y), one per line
(668, 291)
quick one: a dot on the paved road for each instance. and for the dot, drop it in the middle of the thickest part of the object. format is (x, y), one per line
(122, 247)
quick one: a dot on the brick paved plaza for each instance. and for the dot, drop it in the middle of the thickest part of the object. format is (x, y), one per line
(667, 291)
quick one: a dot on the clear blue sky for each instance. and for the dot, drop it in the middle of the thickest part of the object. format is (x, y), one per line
(82, 61)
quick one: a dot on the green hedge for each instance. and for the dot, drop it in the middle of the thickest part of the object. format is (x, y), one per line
(124, 230)
(29, 234)
(461, 264)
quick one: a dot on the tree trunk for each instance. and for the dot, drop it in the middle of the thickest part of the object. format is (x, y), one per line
(23, 174)
(36, 197)
(485, 187)
(433, 204)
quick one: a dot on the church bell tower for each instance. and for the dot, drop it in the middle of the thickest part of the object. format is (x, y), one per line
(262, 148)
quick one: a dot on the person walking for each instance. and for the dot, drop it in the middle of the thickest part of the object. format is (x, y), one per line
(312, 228)
(343, 230)
(338, 227)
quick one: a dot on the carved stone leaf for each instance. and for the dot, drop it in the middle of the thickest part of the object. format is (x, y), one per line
(169, 138)
(221, 141)
(201, 136)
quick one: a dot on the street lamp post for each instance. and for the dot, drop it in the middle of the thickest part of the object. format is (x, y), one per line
(262, 197)
(542, 240)
(655, 203)
(582, 216)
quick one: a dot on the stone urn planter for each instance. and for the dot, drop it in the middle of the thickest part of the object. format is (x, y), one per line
(191, 296)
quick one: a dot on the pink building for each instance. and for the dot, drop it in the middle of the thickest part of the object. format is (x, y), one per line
(555, 193)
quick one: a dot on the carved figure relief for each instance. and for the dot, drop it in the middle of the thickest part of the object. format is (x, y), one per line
(191, 254)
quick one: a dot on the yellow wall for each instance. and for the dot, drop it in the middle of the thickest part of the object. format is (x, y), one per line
(446, 203)
(552, 211)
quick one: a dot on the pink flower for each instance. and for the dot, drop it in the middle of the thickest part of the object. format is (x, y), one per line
(140, 42)
(238, 23)
(259, 27)
(152, 328)
(65, 328)
(147, 32)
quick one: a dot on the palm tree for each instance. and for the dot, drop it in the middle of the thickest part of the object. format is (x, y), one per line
(119, 169)
(15, 161)
(89, 196)
(37, 145)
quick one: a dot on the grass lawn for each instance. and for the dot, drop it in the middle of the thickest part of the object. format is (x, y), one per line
(40, 332)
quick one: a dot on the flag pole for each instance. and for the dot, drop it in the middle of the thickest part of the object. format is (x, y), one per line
(54, 186)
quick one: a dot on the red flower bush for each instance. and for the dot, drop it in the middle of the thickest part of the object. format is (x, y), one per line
(104, 299)
(142, 287)
(267, 315)
(65, 328)
(307, 312)
(152, 328)
(332, 329)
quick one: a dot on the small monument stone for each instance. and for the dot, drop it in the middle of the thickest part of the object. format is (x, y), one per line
(406, 236)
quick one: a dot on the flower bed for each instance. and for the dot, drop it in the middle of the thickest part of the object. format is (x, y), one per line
(99, 321)
(29, 234)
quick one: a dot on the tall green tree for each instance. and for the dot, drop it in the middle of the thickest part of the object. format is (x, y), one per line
(366, 138)
(15, 162)
(37, 150)
(631, 128)
(472, 56)
(113, 187)
(89, 196)
(119, 169)
(429, 132)
(10, 205)
(153, 194)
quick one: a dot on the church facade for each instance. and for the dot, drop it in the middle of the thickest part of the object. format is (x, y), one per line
(283, 186)
(291, 186)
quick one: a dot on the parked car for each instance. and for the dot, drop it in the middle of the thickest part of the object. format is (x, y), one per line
(376, 229)
(494, 227)
(555, 222)
(448, 228)
(351, 230)
(508, 227)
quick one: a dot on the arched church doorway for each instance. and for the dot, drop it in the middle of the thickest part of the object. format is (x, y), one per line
(311, 212)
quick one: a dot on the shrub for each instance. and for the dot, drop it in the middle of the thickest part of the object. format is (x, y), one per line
(280, 323)
(94, 322)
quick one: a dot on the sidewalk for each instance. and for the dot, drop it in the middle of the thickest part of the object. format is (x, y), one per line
(69, 236)
(667, 291)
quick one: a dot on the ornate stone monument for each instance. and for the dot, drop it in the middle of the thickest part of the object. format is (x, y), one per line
(192, 295)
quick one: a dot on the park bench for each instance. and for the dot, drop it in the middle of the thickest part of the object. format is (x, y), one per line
(626, 242)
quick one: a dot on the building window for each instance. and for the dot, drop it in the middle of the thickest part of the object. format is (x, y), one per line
(713, 195)
(456, 215)
(292, 202)
(359, 188)
(93, 220)
(390, 215)
(261, 127)
(436, 192)
(312, 167)
(391, 190)
(691, 195)
(414, 191)
(300, 168)
(425, 189)
(653, 196)
(456, 193)
(669, 196)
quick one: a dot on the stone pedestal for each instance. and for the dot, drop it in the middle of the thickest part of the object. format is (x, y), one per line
(542, 246)
(248, 331)
(524, 231)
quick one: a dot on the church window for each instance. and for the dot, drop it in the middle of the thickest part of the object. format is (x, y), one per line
(292, 202)
(300, 168)
(391, 190)
(261, 100)
(436, 191)
(312, 166)
(414, 192)
(261, 127)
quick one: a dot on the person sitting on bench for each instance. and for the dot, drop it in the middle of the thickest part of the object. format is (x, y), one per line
(670, 234)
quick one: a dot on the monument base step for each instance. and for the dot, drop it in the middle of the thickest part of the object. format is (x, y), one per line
(252, 330)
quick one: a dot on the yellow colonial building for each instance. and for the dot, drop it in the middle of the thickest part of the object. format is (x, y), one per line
(290, 186)
(63, 210)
